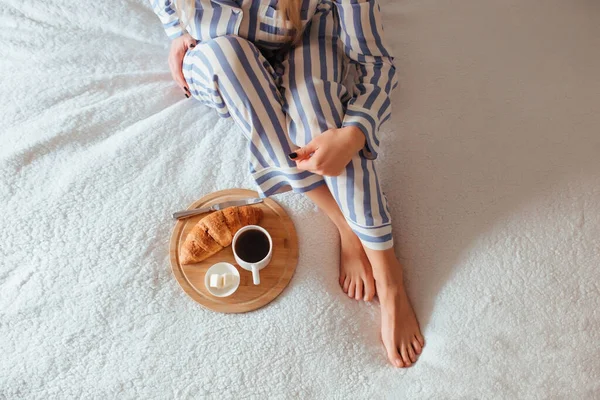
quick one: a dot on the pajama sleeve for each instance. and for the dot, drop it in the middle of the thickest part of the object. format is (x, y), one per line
(361, 33)
(165, 10)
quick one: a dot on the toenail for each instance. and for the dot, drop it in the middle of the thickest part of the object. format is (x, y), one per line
(398, 363)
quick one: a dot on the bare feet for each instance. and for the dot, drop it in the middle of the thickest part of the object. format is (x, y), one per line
(356, 275)
(400, 330)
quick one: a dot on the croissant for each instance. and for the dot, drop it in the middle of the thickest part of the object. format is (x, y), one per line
(215, 231)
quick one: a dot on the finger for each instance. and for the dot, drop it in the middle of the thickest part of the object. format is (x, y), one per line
(190, 42)
(304, 152)
(177, 74)
(307, 165)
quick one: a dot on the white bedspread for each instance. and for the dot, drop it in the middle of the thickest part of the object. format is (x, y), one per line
(491, 164)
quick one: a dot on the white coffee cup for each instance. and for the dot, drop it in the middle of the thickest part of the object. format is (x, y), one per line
(257, 266)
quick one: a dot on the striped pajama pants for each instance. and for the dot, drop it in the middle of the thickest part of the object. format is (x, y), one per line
(282, 102)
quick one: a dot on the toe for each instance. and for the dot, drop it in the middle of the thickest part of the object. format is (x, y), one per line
(358, 291)
(420, 339)
(411, 353)
(351, 288)
(346, 284)
(417, 346)
(393, 356)
(342, 279)
(369, 290)
(405, 357)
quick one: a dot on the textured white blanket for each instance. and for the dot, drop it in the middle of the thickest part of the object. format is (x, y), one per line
(491, 164)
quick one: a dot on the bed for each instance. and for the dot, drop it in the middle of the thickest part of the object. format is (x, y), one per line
(491, 166)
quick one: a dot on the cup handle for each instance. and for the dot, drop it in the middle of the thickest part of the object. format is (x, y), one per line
(255, 274)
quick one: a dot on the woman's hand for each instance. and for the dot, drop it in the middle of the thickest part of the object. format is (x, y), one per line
(179, 47)
(329, 153)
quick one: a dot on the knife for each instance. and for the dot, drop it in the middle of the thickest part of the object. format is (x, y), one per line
(215, 207)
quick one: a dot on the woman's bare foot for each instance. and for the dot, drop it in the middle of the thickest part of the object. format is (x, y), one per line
(400, 330)
(356, 275)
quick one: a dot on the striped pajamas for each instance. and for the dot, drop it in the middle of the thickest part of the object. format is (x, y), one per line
(283, 96)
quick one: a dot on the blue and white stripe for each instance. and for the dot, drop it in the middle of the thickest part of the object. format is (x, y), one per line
(282, 96)
(168, 16)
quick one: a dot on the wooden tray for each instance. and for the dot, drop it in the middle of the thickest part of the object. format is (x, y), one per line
(273, 278)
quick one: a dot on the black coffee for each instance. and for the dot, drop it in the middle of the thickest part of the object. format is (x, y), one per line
(252, 246)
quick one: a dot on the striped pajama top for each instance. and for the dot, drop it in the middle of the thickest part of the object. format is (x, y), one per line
(361, 33)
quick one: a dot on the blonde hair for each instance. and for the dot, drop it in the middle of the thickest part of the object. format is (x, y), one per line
(291, 10)
(288, 8)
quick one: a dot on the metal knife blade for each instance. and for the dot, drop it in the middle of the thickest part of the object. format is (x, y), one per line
(245, 202)
(215, 207)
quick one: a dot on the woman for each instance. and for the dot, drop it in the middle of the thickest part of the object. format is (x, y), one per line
(278, 69)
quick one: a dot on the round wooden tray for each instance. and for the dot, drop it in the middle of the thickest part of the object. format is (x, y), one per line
(273, 278)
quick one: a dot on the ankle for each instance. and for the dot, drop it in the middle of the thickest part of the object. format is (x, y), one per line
(389, 291)
(389, 273)
(388, 295)
(390, 284)
(343, 228)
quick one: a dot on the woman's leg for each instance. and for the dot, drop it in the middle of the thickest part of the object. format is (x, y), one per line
(312, 89)
(356, 277)
(315, 98)
(400, 331)
(230, 74)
